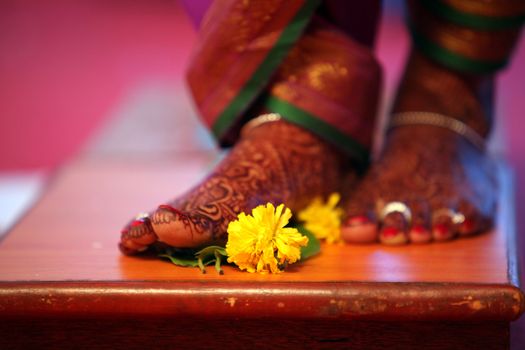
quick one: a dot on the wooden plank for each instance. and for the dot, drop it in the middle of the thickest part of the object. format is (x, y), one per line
(72, 233)
(319, 300)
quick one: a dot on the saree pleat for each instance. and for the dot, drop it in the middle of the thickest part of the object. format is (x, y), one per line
(280, 54)
(475, 37)
(330, 85)
(241, 44)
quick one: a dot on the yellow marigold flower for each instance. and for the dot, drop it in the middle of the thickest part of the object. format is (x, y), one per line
(260, 242)
(324, 220)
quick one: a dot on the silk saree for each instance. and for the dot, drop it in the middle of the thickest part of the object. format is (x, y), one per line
(280, 56)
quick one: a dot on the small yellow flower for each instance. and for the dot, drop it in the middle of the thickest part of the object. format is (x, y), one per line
(260, 242)
(324, 220)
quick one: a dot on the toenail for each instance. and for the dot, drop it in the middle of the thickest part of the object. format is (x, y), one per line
(136, 223)
(442, 231)
(467, 226)
(392, 236)
(389, 232)
(419, 230)
(358, 220)
(420, 234)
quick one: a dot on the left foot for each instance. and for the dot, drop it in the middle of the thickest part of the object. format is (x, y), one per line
(429, 183)
(276, 162)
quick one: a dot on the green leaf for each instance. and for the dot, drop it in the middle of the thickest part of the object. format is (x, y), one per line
(313, 247)
(210, 255)
(218, 260)
(210, 251)
(201, 259)
(181, 261)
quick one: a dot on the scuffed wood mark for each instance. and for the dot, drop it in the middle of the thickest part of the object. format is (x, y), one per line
(472, 304)
(230, 301)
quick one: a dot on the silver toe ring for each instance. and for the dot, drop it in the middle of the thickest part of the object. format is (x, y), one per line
(141, 216)
(397, 207)
(455, 217)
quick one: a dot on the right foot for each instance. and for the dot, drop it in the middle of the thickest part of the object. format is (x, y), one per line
(444, 185)
(275, 162)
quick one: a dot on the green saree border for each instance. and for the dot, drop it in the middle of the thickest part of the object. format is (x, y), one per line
(472, 20)
(316, 125)
(452, 59)
(263, 73)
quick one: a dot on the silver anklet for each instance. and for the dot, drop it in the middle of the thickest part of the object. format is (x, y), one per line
(436, 119)
(262, 119)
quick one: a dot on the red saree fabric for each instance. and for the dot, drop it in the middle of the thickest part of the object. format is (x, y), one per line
(280, 54)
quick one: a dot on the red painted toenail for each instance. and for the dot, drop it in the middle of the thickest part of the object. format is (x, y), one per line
(136, 223)
(467, 225)
(389, 232)
(419, 230)
(358, 220)
(442, 230)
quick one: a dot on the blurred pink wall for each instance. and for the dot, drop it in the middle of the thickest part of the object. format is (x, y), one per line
(65, 64)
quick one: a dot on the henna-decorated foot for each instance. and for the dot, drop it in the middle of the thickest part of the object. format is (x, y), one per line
(429, 183)
(274, 162)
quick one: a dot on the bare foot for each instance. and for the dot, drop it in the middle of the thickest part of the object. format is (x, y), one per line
(275, 162)
(433, 183)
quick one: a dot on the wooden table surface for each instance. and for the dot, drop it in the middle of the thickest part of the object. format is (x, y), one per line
(62, 259)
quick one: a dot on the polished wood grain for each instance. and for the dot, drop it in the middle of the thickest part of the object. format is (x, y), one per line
(63, 280)
(72, 234)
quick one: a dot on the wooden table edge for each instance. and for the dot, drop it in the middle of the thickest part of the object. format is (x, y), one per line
(317, 300)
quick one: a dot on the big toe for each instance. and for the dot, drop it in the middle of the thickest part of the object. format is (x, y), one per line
(359, 229)
(180, 229)
(137, 235)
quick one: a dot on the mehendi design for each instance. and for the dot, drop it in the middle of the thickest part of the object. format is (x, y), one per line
(276, 162)
(433, 170)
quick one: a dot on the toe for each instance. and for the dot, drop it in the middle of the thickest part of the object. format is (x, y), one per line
(360, 224)
(443, 232)
(420, 231)
(444, 227)
(394, 229)
(137, 236)
(359, 229)
(180, 229)
(474, 221)
(474, 224)
(420, 234)
(469, 226)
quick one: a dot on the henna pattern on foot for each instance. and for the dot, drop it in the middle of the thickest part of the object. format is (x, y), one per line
(437, 173)
(275, 162)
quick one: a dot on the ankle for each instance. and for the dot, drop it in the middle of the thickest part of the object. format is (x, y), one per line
(430, 87)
